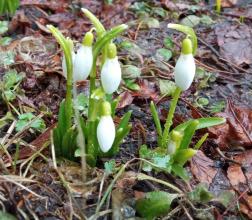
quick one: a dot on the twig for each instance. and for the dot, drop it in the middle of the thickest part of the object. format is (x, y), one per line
(186, 211)
(171, 213)
(225, 157)
(7, 179)
(100, 214)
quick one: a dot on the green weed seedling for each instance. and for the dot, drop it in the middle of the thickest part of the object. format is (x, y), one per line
(8, 6)
(96, 135)
(174, 149)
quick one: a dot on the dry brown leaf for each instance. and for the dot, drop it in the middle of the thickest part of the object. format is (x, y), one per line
(125, 99)
(240, 179)
(246, 207)
(39, 142)
(237, 131)
(235, 173)
(147, 90)
(203, 168)
(235, 42)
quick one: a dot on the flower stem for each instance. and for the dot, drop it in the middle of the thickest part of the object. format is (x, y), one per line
(168, 122)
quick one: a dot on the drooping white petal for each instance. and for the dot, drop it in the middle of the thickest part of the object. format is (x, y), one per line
(83, 63)
(106, 133)
(64, 68)
(171, 147)
(184, 71)
(111, 75)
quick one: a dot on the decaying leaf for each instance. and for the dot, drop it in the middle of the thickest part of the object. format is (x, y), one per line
(147, 90)
(125, 99)
(235, 42)
(203, 168)
(237, 131)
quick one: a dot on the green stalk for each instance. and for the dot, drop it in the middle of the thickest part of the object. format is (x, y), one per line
(95, 21)
(168, 122)
(66, 45)
(218, 6)
(188, 31)
(97, 48)
(156, 121)
(92, 102)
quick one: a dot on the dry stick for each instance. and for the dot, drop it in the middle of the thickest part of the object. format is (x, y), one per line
(109, 189)
(235, 201)
(218, 150)
(5, 177)
(232, 65)
(65, 183)
(171, 213)
(211, 68)
(31, 159)
(186, 211)
(9, 132)
(243, 128)
(18, 134)
(120, 172)
(11, 128)
(100, 214)
(80, 136)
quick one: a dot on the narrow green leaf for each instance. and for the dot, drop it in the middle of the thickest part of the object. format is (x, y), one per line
(180, 171)
(69, 144)
(114, 104)
(124, 121)
(201, 141)
(182, 156)
(156, 121)
(188, 134)
(203, 123)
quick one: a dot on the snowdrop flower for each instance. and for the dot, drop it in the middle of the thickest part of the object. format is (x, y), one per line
(83, 61)
(185, 66)
(174, 142)
(111, 71)
(106, 128)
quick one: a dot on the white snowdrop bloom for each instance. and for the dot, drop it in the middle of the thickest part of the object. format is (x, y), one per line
(174, 142)
(106, 128)
(64, 68)
(111, 73)
(106, 133)
(171, 147)
(82, 63)
(185, 67)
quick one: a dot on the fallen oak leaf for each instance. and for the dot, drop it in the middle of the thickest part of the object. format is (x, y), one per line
(125, 99)
(236, 174)
(147, 90)
(237, 131)
(203, 168)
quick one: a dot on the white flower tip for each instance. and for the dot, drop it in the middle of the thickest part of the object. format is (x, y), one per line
(106, 133)
(184, 71)
(82, 64)
(111, 75)
(170, 25)
(171, 147)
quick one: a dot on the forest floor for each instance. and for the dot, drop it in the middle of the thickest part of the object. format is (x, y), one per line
(30, 187)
